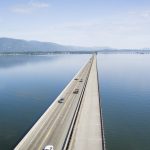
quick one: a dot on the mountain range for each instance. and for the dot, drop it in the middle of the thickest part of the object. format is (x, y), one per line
(17, 45)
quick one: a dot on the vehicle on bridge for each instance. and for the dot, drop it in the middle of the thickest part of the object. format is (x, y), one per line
(49, 147)
(61, 100)
(76, 79)
(76, 91)
(81, 80)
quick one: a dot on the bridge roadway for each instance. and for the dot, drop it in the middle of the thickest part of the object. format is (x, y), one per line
(88, 130)
(54, 125)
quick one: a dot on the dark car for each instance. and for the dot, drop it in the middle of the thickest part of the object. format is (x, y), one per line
(61, 100)
(76, 91)
(76, 79)
(81, 80)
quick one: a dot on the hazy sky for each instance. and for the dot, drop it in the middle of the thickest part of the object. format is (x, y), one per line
(113, 23)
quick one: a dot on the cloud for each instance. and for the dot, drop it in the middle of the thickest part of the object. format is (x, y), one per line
(21, 9)
(29, 7)
(142, 14)
(38, 4)
(145, 14)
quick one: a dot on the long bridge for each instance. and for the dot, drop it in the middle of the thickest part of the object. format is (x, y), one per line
(74, 120)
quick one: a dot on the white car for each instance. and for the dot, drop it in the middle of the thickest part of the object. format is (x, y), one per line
(49, 147)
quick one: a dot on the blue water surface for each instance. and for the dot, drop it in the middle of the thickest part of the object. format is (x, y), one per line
(125, 93)
(28, 85)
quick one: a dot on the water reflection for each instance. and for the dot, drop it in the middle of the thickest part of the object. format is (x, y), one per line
(28, 85)
(125, 93)
(15, 60)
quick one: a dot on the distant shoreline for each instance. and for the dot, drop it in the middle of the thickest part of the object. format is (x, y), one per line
(78, 52)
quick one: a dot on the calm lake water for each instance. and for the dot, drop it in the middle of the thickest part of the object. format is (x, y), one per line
(125, 93)
(29, 84)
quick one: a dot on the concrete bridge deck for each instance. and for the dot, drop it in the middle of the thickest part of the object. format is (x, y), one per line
(66, 125)
(88, 130)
